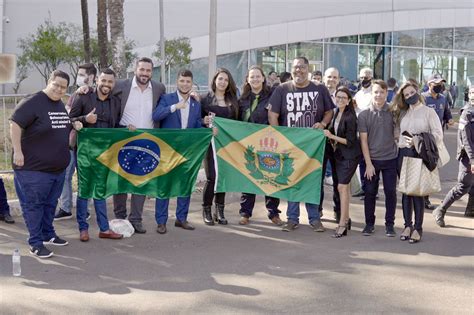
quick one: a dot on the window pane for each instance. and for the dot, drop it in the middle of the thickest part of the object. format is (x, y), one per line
(463, 72)
(464, 38)
(408, 38)
(406, 64)
(310, 50)
(344, 39)
(436, 61)
(439, 38)
(376, 39)
(374, 58)
(236, 63)
(344, 58)
(270, 58)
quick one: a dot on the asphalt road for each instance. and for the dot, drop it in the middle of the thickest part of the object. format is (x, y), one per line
(254, 269)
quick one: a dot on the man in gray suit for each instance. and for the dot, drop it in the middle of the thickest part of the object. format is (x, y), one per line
(139, 97)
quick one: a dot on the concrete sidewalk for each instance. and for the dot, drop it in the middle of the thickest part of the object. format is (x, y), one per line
(252, 269)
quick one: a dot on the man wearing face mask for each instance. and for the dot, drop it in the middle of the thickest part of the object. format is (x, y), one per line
(465, 155)
(435, 99)
(86, 74)
(363, 97)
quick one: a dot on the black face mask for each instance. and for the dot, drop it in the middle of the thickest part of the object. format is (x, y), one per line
(437, 89)
(412, 100)
(366, 83)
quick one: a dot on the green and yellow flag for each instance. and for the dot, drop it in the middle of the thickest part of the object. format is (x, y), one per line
(161, 163)
(269, 160)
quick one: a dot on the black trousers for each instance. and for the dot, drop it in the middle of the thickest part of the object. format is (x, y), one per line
(208, 192)
(329, 157)
(247, 202)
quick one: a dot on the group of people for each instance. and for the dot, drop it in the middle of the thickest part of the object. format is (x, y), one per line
(363, 131)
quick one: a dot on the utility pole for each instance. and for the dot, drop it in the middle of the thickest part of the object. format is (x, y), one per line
(162, 45)
(212, 40)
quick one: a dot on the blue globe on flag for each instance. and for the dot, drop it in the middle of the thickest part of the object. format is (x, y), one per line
(139, 157)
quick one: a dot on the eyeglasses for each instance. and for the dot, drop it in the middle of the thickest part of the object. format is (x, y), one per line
(342, 98)
(300, 67)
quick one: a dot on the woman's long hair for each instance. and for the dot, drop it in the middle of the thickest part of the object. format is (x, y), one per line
(230, 94)
(247, 89)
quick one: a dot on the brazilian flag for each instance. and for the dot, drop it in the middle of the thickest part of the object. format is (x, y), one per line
(161, 163)
(267, 160)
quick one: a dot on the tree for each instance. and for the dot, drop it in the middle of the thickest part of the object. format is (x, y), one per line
(86, 31)
(177, 52)
(117, 36)
(102, 33)
(22, 69)
(49, 47)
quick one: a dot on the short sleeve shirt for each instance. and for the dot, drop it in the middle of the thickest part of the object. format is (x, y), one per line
(45, 137)
(379, 126)
(300, 107)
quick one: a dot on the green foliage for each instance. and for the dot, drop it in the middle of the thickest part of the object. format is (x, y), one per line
(53, 45)
(177, 52)
(49, 47)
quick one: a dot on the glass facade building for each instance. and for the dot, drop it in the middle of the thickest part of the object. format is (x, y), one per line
(402, 55)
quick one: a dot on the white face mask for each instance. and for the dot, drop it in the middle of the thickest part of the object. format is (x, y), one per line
(81, 80)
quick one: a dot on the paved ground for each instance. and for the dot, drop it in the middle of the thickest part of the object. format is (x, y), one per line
(253, 269)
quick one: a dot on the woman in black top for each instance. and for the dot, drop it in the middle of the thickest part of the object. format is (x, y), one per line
(343, 135)
(221, 102)
(253, 107)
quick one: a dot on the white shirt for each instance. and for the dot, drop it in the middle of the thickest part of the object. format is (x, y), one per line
(184, 112)
(363, 99)
(418, 119)
(139, 107)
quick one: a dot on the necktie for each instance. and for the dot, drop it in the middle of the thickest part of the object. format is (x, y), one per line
(249, 111)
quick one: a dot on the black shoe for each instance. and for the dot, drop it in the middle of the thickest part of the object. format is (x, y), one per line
(390, 231)
(220, 214)
(7, 218)
(368, 230)
(428, 204)
(207, 215)
(340, 232)
(161, 228)
(185, 225)
(56, 241)
(41, 252)
(62, 215)
(138, 226)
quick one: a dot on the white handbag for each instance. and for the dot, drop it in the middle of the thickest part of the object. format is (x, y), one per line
(443, 155)
(416, 179)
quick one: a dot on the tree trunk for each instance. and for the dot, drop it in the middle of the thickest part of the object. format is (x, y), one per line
(102, 33)
(117, 37)
(85, 31)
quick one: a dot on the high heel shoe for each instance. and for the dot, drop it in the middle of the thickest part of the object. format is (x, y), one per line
(415, 237)
(340, 231)
(406, 234)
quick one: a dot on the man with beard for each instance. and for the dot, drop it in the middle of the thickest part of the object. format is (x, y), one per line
(139, 97)
(177, 110)
(98, 109)
(285, 110)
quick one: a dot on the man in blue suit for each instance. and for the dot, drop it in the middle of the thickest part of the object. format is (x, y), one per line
(177, 110)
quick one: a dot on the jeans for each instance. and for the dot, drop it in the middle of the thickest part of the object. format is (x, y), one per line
(161, 209)
(411, 203)
(293, 212)
(4, 207)
(65, 201)
(100, 210)
(388, 169)
(38, 193)
(465, 184)
(247, 203)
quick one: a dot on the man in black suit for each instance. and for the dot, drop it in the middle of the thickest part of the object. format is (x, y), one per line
(139, 96)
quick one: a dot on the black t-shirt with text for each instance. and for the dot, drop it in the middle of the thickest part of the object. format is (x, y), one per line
(45, 136)
(300, 107)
